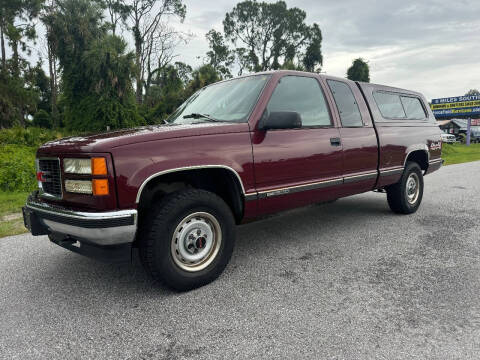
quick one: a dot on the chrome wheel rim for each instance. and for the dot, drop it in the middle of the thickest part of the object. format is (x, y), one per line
(196, 241)
(412, 188)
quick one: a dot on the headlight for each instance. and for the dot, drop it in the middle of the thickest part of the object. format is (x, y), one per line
(96, 166)
(77, 166)
(78, 186)
(93, 166)
(97, 187)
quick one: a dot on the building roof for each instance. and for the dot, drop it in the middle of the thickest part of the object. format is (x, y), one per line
(461, 124)
(443, 122)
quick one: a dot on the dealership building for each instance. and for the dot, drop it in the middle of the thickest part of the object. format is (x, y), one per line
(459, 126)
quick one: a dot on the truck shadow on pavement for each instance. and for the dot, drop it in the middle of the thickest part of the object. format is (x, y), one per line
(315, 224)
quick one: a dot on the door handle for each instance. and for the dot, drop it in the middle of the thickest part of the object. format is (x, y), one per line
(335, 141)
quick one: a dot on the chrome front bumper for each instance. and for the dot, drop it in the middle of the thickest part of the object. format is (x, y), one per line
(96, 228)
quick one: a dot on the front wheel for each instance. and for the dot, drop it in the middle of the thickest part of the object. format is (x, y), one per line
(188, 239)
(405, 196)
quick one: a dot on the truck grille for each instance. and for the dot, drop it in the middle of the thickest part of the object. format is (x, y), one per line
(51, 173)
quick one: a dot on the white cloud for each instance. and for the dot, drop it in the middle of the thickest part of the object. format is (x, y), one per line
(429, 46)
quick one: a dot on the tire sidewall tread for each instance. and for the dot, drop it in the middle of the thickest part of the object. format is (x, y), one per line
(155, 241)
(396, 194)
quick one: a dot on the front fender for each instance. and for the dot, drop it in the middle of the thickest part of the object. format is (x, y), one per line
(136, 164)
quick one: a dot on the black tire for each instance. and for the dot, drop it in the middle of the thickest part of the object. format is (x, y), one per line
(397, 194)
(157, 241)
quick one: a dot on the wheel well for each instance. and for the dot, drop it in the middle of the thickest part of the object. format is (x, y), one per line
(420, 157)
(220, 181)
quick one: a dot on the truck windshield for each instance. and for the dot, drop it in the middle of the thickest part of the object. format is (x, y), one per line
(227, 101)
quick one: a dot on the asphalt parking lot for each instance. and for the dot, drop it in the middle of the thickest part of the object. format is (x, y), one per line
(348, 280)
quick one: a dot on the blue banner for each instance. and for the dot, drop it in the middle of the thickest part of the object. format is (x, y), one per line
(468, 105)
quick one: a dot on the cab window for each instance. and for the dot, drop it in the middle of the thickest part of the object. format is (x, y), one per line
(413, 108)
(389, 105)
(346, 104)
(302, 95)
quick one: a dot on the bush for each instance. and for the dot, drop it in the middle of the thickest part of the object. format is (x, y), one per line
(17, 168)
(42, 119)
(31, 136)
(94, 114)
(17, 156)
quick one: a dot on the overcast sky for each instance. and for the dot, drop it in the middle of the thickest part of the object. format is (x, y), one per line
(428, 46)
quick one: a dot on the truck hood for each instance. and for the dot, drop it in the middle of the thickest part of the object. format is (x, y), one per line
(106, 141)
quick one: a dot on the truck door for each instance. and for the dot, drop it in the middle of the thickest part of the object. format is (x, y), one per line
(359, 140)
(294, 167)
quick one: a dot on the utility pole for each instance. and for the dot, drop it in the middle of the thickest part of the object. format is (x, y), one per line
(469, 126)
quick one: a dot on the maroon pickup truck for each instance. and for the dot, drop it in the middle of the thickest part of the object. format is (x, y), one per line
(234, 151)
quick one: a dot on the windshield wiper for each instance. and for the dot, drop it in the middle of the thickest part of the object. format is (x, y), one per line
(201, 116)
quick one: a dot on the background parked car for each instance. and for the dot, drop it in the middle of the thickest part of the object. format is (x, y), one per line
(475, 137)
(449, 138)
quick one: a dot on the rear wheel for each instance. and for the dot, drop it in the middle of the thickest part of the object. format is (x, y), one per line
(405, 196)
(188, 239)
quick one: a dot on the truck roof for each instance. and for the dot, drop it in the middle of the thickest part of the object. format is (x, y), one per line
(388, 88)
(326, 76)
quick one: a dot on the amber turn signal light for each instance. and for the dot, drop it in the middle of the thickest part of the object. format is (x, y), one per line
(100, 187)
(99, 166)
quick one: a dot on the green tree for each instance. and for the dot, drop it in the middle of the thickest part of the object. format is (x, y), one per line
(18, 95)
(77, 25)
(17, 100)
(359, 71)
(242, 59)
(202, 76)
(16, 25)
(40, 82)
(290, 65)
(42, 119)
(167, 94)
(220, 57)
(184, 71)
(472, 92)
(271, 33)
(146, 17)
(48, 18)
(97, 71)
(172, 88)
(118, 12)
(169, 83)
(110, 101)
(159, 52)
(313, 59)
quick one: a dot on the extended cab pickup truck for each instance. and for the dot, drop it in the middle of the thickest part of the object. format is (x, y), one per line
(236, 150)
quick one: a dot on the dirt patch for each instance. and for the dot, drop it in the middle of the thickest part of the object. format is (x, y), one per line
(11, 217)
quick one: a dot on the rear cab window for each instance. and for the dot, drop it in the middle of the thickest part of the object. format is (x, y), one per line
(346, 104)
(413, 108)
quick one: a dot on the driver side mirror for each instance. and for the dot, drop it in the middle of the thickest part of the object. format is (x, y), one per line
(281, 120)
